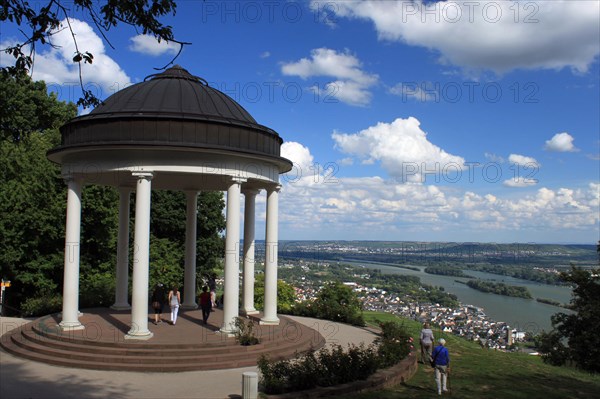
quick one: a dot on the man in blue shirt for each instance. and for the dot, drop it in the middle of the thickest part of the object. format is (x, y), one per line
(441, 360)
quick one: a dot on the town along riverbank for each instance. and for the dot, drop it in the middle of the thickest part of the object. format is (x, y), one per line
(521, 314)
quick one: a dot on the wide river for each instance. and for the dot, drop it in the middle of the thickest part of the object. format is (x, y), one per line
(523, 314)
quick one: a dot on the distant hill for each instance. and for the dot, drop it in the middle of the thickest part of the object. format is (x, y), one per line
(416, 252)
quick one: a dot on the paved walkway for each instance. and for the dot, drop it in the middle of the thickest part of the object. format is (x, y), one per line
(20, 378)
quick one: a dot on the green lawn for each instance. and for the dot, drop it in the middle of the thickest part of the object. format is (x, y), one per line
(477, 373)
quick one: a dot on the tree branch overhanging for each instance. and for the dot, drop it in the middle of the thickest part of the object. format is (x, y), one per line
(43, 23)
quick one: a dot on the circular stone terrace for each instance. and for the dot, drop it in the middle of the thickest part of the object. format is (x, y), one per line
(189, 345)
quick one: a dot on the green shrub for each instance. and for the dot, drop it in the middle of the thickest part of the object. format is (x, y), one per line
(394, 343)
(335, 366)
(41, 306)
(244, 332)
(273, 375)
(326, 367)
(304, 372)
(97, 290)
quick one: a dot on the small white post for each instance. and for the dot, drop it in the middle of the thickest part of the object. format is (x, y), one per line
(249, 385)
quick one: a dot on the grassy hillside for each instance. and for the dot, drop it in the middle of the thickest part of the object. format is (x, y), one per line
(477, 373)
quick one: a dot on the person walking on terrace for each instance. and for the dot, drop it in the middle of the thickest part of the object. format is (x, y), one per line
(158, 301)
(212, 286)
(205, 304)
(426, 342)
(174, 301)
(441, 364)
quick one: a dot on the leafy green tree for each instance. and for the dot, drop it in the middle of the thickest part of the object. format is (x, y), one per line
(167, 229)
(337, 302)
(32, 194)
(26, 107)
(166, 262)
(286, 295)
(32, 204)
(574, 337)
(210, 243)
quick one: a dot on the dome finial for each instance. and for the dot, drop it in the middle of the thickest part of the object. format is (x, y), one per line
(176, 72)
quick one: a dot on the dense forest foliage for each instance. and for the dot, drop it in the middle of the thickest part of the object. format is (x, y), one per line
(499, 288)
(445, 271)
(574, 337)
(33, 208)
(524, 272)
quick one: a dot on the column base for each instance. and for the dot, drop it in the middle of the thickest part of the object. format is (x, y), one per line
(71, 326)
(269, 322)
(189, 307)
(228, 333)
(124, 306)
(139, 336)
(250, 312)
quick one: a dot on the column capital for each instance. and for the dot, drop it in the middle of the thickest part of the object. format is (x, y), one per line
(143, 175)
(251, 191)
(238, 180)
(68, 177)
(275, 187)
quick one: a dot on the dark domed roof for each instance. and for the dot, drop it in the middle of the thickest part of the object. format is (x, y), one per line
(175, 109)
(174, 93)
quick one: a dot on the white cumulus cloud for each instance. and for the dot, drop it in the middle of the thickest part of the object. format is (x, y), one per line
(297, 153)
(55, 65)
(351, 83)
(493, 157)
(561, 142)
(301, 158)
(495, 35)
(148, 44)
(422, 93)
(522, 160)
(401, 147)
(378, 208)
(519, 182)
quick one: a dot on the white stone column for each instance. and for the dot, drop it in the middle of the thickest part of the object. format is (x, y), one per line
(70, 307)
(271, 242)
(121, 291)
(231, 303)
(249, 216)
(189, 282)
(139, 299)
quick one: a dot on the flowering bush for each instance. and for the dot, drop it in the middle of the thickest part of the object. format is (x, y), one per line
(394, 343)
(334, 366)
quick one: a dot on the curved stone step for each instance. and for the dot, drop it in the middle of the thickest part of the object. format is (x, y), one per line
(118, 355)
(36, 341)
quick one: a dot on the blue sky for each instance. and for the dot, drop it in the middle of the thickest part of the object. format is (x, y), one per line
(435, 121)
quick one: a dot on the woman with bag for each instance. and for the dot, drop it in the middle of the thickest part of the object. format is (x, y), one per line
(426, 340)
(174, 301)
(158, 300)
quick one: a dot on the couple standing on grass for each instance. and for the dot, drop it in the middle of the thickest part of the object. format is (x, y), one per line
(439, 358)
(174, 301)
